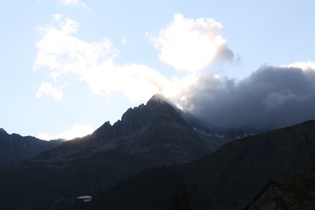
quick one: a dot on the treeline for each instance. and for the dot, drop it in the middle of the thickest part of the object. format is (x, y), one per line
(159, 188)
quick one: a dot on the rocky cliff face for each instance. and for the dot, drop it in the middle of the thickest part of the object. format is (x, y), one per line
(156, 130)
(15, 147)
(143, 116)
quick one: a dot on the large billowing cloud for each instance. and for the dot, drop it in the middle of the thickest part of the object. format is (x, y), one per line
(66, 56)
(186, 44)
(270, 97)
(191, 45)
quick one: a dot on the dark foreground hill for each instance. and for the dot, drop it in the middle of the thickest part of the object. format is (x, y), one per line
(226, 179)
(150, 135)
(14, 147)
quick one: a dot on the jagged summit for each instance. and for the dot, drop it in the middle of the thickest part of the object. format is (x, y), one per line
(157, 109)
(2, 130)
(160, 105)
(14, 147)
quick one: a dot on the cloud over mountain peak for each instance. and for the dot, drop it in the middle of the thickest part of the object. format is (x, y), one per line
(270, 97)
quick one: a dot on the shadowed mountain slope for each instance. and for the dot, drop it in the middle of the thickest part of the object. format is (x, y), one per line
(154, 134)
(234, 173)
(226, 179)
(14, 147)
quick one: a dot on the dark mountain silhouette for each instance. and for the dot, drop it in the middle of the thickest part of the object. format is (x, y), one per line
(150, 135)
(226, 179)
(15, 147)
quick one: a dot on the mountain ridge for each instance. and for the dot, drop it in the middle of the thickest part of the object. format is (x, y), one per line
(156, 135)
(137, 117)
(14, 147)
(226, 179)
(149, 135)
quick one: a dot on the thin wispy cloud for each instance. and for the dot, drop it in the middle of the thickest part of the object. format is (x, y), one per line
(123, 40)
(50, 90)
(71, 2)
(74, 132)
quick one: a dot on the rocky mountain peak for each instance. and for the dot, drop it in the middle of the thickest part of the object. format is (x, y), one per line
(157, 98)
(159, 105)
(2, 131)
(156, 109)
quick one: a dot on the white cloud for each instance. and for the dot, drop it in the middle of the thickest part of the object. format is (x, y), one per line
(123, 40)
(302, 65)
(57, 47)
(68, 57)
(191, 45)
(75, 131)
(92, 62)
(71, 2)
(57, 16)
(49, 89)
(70, 26)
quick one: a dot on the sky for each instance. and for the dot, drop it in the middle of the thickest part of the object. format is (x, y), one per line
(67, 66)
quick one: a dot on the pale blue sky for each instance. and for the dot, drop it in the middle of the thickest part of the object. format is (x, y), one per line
(103, 48)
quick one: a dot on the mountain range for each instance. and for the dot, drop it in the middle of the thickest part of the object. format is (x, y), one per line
(114, 163)
(14, 147)
(226, 179)
(154, 134)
